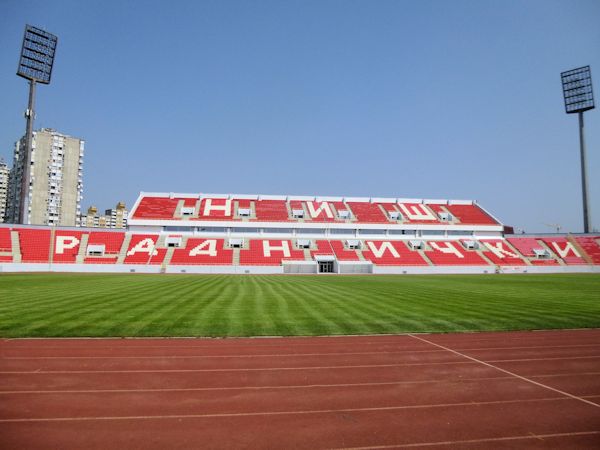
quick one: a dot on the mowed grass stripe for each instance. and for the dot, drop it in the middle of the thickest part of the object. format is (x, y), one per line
(44, 305)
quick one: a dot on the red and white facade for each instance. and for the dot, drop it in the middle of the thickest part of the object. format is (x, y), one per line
(209, 233)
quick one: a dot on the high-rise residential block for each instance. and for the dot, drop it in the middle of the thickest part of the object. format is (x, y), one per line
(4, 172)
(55, 180)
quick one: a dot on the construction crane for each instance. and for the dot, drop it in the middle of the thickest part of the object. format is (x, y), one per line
(554, 225)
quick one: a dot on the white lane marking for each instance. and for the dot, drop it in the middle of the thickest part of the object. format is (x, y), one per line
(278, 413)
(275, 355)
(292, 386)
(250, 388)
(508, 372)
(558, 358)
(252, 369)
(476, 441)
(280, 355)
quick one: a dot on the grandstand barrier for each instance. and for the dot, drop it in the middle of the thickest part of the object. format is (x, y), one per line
(300, 267)
(432, 270)
(234, 270)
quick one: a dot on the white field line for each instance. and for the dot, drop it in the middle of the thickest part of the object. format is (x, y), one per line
(251, 369)
(279, 355)
(251, 388)
(575, 397)
(276, 355)
(540, 437)
(292, 386)
(279, 413)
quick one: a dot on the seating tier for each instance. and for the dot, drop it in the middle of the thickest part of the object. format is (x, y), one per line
(113, 241)
(35, 245)
(591, 245)
(216, 211)
(156, 208)
(471, 214)
(418, 213)
(323, 248)
(525, 245)
(502, 255)
(392, 253)
(257, 256)
(141, 248)
(367, 212)
(446, 253)
(205, 249)
(564, 250)
(66, 246)
(271, 211)
(343, 254)
(5, 240)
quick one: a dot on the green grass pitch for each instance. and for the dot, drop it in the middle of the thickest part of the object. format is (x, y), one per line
(247, 305)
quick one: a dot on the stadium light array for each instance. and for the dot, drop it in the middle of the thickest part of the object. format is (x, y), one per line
(35, 65)
(579, 97)
(577, 90)
(37, 55)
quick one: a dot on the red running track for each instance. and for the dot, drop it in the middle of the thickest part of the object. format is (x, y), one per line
(483, 390)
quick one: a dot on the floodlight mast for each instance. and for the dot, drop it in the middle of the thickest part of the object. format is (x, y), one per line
(579, 97)
(35, 64)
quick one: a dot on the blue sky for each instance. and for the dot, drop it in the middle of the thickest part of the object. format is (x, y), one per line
(427, 99)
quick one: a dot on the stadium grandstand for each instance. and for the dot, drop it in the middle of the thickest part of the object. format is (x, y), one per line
(211, 233)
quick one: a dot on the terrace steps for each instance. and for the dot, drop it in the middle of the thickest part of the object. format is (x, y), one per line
(82, 248)
(16, 246)
(580, 249)
(124, 248)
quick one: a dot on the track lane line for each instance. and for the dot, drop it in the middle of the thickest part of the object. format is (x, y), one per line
(300, 368)
(282, 355)
(251, 369)
(239, 388)
(553, 358)
(475, 441)
(280, 413)
(575, 397)
(291, 386)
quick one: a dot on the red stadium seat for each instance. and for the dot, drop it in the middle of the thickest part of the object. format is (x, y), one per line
(203, 251)
(35, 244)
(269, 253)
(446, 253)
(392, 253)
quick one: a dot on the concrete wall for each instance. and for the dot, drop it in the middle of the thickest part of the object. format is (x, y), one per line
(141, 268)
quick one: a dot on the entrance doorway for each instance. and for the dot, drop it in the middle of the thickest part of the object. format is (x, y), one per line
(325, 266)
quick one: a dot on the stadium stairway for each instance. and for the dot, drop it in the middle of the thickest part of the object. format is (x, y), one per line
(82, 248)
(582, 251)
(483, 256)
(591, 247)
(424, 255)
(52, 247)
(307, 254)
(553, 255)
(359, 252)
(236, 257)
(16, 246)
(167, 259)
(513, 249)
(124, 248)
(177, 212)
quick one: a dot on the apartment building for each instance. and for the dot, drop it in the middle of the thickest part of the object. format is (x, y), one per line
(55, 180)
(112, 218)
(4, 173)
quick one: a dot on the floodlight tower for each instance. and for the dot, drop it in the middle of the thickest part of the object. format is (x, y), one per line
(35, 65)
(579, 97)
